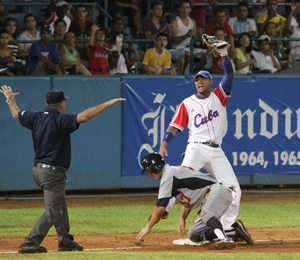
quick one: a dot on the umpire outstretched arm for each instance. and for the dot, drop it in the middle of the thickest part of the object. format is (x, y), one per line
(82, 117)
(92, 112)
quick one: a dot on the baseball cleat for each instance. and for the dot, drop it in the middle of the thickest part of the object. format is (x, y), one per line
(30, 248)
(71, 246)
(235, 238)
(242, 232)
(221, 244)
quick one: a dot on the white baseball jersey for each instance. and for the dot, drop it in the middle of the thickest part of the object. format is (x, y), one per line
(187, 185)
(204, 117)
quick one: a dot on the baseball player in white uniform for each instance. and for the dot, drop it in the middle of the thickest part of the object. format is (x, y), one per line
(192, 189)
(204, 114)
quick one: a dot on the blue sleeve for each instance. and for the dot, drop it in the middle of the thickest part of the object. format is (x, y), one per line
(227, 80)
(55, 57)
(34, 49)
(68, 123)
(26, 118)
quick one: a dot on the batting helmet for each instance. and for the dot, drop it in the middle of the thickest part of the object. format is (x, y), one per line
(153, 162)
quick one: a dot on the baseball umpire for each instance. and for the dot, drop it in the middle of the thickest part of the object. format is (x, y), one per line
(204, 115)
(193, 190)
(51, 131)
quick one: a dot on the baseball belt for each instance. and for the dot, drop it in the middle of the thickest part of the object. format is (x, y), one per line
(52, 167)
(214, 145)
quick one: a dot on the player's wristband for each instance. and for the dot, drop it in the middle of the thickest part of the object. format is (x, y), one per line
(168, 137)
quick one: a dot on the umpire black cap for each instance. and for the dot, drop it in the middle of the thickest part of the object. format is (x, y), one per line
(55, 96)
(153, 162)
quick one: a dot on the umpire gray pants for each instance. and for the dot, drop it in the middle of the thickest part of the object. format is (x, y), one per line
(53, 183)
(215, 204)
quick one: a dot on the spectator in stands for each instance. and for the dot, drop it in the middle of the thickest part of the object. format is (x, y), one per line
(3, 17)
(256, 10)
(271, 16)
(11, 26)
(182, 29)
(59, 31)
(158, 60)
(71, 57)
(295, 13)
(231, 10)
(265, 58)
(50, 17)
(198, 13)
(217, 62)
(220, 21)
(119, 61)
(99, 51)
(81, 26)
(241, 23)
(294, 32)
(155, 24)
(244, 59)
(117, 27)
(284, 54)
(270, 30)
(6, 55)
(29, 34)
(2, 9)
(44, 56)
(131, 9)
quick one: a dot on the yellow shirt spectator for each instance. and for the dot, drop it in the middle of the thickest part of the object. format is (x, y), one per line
(278, 20)
(155, 62)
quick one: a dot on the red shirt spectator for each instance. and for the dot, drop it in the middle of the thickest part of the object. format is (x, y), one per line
(220, 21)
(99, 51)
(98, 59)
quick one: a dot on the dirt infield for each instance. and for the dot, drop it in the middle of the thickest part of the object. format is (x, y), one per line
(272, 240)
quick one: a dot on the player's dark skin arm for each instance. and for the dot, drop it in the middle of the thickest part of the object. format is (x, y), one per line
(49, 9)
(156, 216)
(163, 147)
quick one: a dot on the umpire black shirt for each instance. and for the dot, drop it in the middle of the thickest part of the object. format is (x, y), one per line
(51, 135)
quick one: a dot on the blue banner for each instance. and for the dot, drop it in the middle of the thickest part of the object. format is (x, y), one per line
(261, 134)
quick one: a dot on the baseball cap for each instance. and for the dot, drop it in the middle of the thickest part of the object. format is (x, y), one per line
(264, 37)
(46, 28)
(61, 3)
(204, 74)
(55, 96)
(105, 30)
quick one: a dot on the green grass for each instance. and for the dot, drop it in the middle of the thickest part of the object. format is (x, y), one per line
(154, 256)
(130, 219)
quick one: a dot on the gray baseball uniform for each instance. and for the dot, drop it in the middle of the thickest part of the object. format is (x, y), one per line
(193, 190)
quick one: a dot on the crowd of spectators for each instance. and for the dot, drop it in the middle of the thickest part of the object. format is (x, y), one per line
(69, 42)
